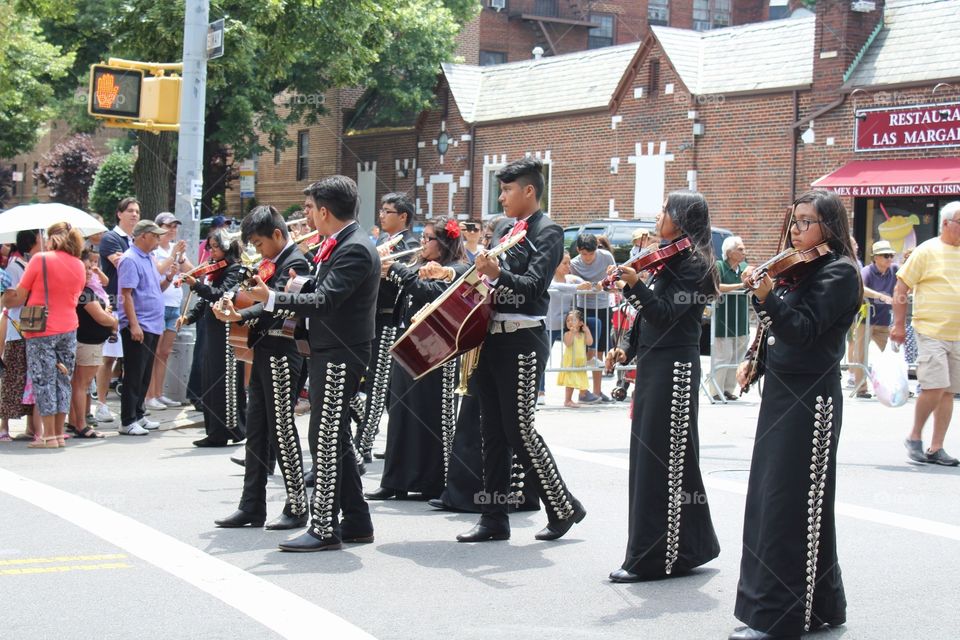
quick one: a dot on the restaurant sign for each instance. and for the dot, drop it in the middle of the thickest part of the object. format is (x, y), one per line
(898, 190)
(922, 126)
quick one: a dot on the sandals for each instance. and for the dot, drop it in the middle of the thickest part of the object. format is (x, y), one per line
(5, 437)
(45, 443)
(87, 432)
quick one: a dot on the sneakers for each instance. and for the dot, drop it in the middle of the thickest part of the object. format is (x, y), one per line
(149, 425)
(103, 413)
(941, 457)
(605, 398)
(588, 398)
(915, 450)
(167, 401)
(133, 430)
(541, 399)
(154, 403)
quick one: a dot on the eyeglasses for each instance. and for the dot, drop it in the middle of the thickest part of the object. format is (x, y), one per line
(952, 220)
(427, 238)
(471, 228)
(802, 225)
(885, 256)
(382, 210)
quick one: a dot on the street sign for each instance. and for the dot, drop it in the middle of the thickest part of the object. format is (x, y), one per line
(114, 92)
(248, 179)
(215, 39)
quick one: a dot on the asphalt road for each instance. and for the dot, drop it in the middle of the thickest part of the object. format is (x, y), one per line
(115, 539)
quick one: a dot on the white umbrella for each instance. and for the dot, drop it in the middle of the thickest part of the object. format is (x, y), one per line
(41, 216)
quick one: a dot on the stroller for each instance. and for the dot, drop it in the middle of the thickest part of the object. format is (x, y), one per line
(623, 318)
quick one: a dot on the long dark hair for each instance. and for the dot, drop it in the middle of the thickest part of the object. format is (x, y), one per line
(451, 246)
(689, 212)
(228, 243)
(835, 224)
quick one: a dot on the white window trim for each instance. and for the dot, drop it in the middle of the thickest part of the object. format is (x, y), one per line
(489, 168)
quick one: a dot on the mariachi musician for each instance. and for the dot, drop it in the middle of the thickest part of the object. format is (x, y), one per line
(396, 214)
(512, 359)
(221, 377)
(341, 327)
(670, 530)
(422, 412)
(273, 381)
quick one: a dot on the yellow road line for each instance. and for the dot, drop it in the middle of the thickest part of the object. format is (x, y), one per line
(104, 556)
(63, 568)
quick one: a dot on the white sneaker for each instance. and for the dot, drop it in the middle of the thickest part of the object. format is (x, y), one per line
(541, 399)
(149, 425)
(170, 403)
(154, 403)
(133, 430)
(103, 413)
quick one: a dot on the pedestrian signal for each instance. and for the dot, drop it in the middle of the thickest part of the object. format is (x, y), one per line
(114, 92)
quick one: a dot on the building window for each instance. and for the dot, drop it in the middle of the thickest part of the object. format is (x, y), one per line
(36, 182)
(276, 155)
(303, 152)
(492, 57)
(491, 189)
(658, 12)
(546, 8)
(711, 14)
(653, 77)
(13, 180)
(602, 35)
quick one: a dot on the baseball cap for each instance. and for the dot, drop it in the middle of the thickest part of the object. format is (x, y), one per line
(639, 233)
(218, 221)
(148, 226)
(882, 248)
(166, 218)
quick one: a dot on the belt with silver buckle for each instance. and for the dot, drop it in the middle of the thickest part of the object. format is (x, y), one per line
(277, 333)
(509, 326)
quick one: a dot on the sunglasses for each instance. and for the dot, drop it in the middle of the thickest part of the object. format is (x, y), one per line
(427, 238)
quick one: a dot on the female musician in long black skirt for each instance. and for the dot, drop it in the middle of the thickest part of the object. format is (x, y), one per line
(670, 531)
(789, 575)
(422, 412)
(223, 398)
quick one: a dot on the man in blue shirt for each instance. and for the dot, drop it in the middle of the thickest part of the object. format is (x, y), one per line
(879, 280)
(141, 324)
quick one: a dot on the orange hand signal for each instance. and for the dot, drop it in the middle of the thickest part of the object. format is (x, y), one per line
(107, 90)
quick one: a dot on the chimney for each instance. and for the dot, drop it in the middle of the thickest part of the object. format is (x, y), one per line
(843, 29)
(537, 53)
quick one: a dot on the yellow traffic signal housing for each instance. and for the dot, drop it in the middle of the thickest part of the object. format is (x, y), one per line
(160, 100)
(114, 92)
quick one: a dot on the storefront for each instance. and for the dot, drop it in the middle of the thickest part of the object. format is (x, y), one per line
(898, 199)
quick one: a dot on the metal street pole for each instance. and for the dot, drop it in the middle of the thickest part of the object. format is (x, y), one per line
(190, 167)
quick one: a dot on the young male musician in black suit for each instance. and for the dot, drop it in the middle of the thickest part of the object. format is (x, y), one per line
(512, 360)
(396, 214)
(340, 315)
(272, 392)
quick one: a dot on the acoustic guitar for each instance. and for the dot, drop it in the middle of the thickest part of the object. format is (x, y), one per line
(452, 324)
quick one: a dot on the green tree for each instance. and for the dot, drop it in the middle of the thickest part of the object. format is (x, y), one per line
(68, 170)
(29, 67)
(113, 182)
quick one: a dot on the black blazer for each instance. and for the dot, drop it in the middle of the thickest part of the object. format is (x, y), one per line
(527, 269)
(261, 321)
(343, 305)
(388, 293)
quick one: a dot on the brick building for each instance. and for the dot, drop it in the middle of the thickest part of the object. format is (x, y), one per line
(748, 115)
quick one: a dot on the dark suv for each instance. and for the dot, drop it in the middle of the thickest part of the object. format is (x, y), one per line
(620, 234)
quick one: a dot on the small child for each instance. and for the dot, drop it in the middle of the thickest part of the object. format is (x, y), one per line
(576, 339)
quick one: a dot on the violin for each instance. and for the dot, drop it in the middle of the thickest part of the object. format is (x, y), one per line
(785, 264)
(649, 259)
(202, 270)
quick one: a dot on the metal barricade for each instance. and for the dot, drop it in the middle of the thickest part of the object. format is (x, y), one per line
(733, 318)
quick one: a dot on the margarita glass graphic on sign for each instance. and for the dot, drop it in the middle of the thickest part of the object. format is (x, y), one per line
(898, 231)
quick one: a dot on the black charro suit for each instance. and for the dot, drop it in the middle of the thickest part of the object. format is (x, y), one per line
(376, 382)
(510, 365)
(340, 315)
(272, 395)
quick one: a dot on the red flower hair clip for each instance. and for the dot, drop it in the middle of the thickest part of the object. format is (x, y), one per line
(453, 229)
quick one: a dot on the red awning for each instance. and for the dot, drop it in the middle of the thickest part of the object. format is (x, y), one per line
(892, 178)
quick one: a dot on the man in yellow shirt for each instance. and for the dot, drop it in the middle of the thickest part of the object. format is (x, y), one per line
(933, 275)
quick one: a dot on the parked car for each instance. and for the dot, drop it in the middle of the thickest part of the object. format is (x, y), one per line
(233, 225)
(620, 234)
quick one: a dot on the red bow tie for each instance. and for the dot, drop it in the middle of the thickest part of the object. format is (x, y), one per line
(521, 225)
(326, 248)
(266, 270)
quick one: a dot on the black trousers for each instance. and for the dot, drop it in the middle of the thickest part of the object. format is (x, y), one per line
(334, 380)
(272, 395)
(376, 384)
(508, 373)
(137, 371)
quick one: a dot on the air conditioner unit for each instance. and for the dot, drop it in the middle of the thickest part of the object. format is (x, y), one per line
(863, 6)
(499, 5)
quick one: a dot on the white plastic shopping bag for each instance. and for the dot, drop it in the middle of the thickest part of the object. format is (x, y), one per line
(888, 375)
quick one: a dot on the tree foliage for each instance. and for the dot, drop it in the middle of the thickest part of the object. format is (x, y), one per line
(29, 67)
(68, 170)
(113, 183)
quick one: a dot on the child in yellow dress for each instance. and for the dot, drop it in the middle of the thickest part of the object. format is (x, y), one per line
(576, 339)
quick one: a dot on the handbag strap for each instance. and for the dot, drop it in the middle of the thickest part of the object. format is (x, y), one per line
(46, 294)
